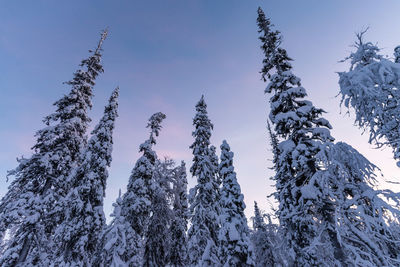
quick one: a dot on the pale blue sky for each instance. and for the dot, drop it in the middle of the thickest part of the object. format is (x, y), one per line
(164, 55)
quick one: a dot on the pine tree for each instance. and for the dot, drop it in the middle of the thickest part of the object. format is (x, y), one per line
(178, 255)
(235, 246)
(119, 238)
(329, 212)
(364, 219)
(258, 219)
(137, 200)
(79, 234)
(157, 240)
(266, 242)
(304, 132)
(32, 207)
(203, 232)
(370, 87)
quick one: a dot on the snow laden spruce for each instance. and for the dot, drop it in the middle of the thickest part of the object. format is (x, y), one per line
(234, 236)
(203, 198)
(118, 238)
(137, 200)
(77, 237)
(329, 213)
(33, 206)
(266, 240)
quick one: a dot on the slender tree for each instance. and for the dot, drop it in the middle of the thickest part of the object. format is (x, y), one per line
(266, 242)
(137, 200)
(32, 207)
(304, 133)
(158, 238)
(203, 232)
(178, 255)
(235, 246)
(79, 235)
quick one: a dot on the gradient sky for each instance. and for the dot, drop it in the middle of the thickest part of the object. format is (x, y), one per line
(164, 55)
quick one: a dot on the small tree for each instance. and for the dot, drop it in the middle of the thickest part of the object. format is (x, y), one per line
(78, 236)
(235, 246)
(266, 242)
(178, 255)
(119, 237)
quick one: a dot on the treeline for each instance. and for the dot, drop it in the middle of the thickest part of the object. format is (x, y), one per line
(329, 212)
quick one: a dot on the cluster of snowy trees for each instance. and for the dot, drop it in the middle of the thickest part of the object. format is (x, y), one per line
(329, 211)
(52, 214)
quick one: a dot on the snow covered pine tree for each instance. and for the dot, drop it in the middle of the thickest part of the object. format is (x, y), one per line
(78, 236)
(32, 207)
(330, 214)
(298, 122)
(157, 242)
(120, 240)
(266, 241)
(203, 198)
(236, 249)
(137, 200)
(371, 87)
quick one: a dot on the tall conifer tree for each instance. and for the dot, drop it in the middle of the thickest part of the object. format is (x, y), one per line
(32, 207)
(203, 232)
(137, 200)
(79, 235)
(329, 212)
(235, 246)
(304, 133)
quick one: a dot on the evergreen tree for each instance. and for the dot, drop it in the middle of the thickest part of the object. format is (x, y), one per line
(258, 219)
(235, 246)
(32, 207)
(364, 219)
(304, 132)
(329, 212)
(266, 242)
(119, 238)
(203, 232)
(158, 235)
(178, 255)
(370, 87)
(78, 236)
(137, 200)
